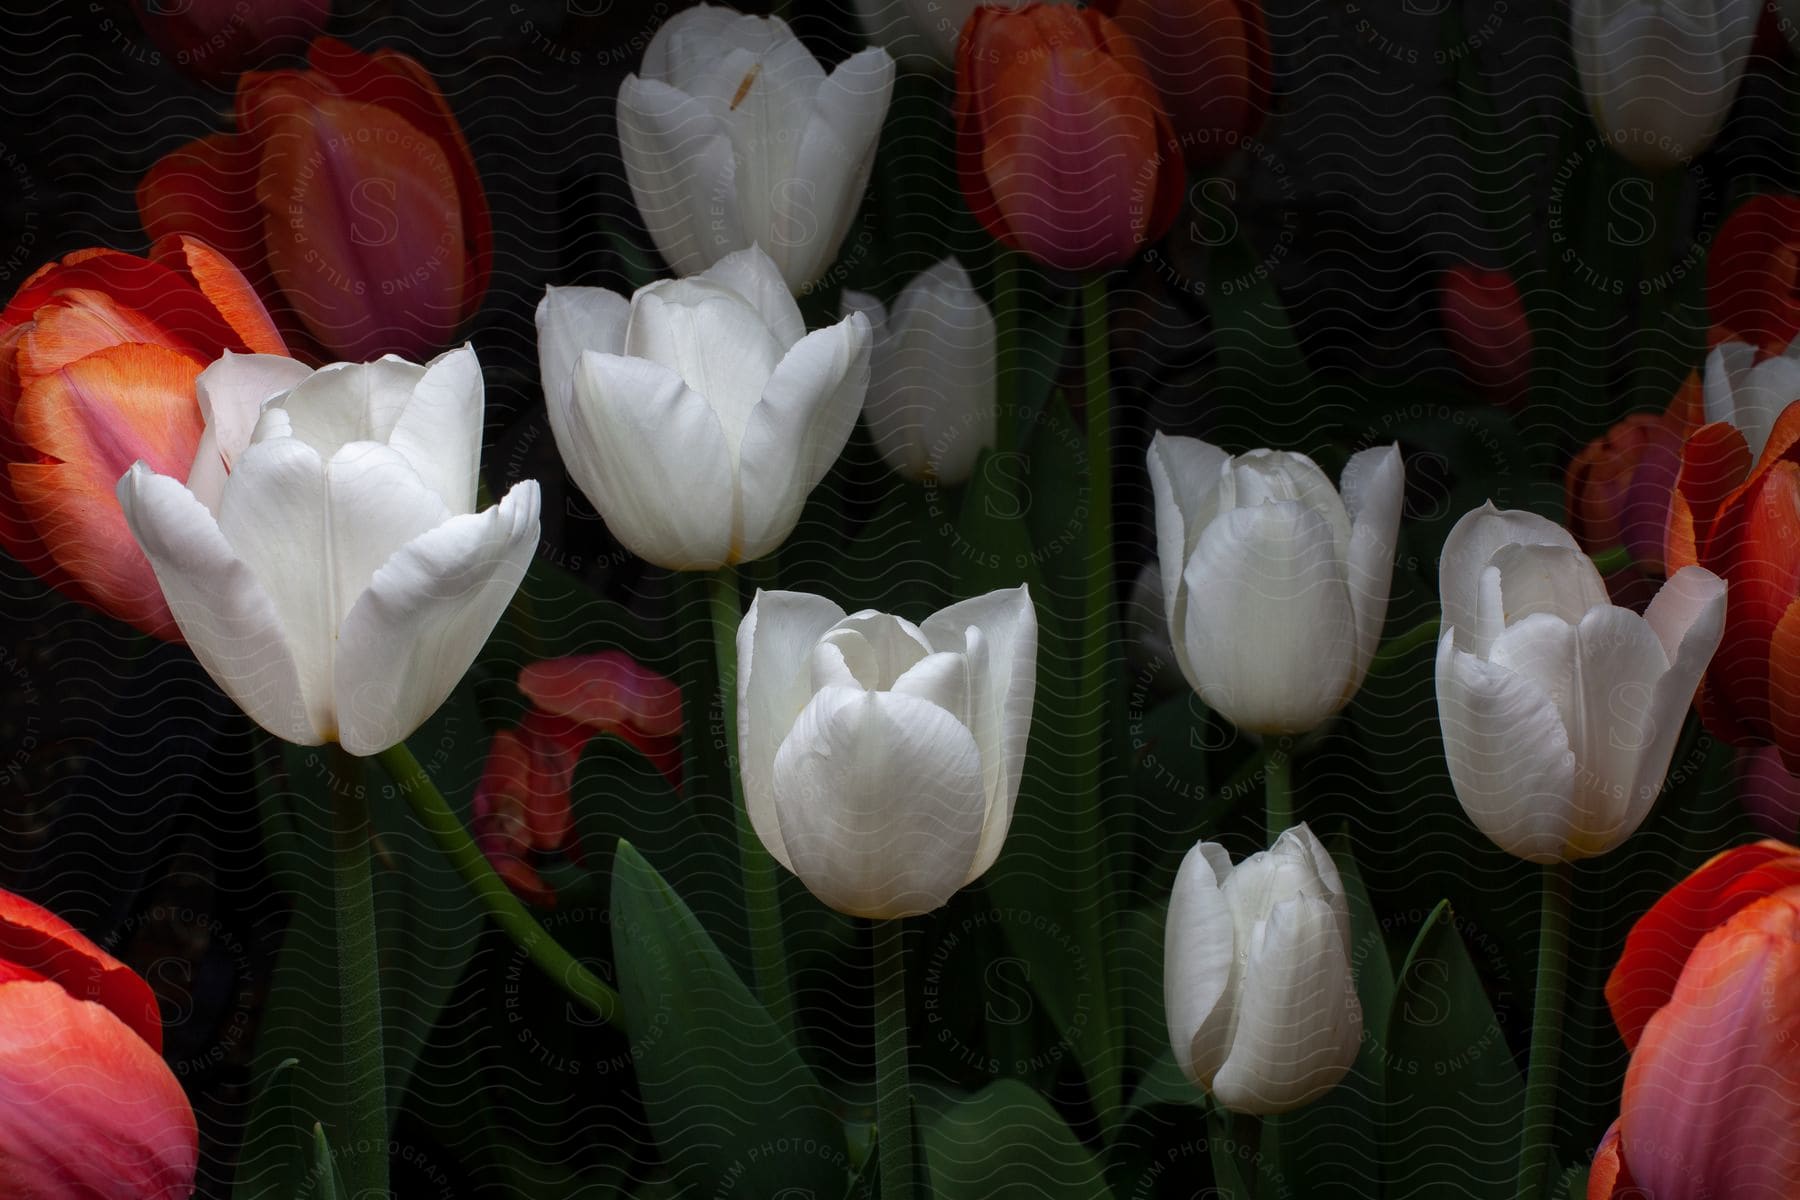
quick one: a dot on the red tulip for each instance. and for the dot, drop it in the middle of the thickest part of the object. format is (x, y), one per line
(98, 357)
(1210, 61)
(350, 189)
(214, 39)
(1769, 791)
(1485, 325)
(1753, 274)
(87, 1106)
(1063, 147)
(1620, 486)
(1711, 1106)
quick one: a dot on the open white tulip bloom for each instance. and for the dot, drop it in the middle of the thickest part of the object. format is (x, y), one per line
(732, 135)
(698, 415)
(329, 570)
(1257, 984)
(1749, 394)
(1559, 709)
(1274, 585)
(1660, 75)
(881, 759)
(933, 396)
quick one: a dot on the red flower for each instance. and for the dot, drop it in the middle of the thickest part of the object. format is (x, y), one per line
(1621, 485)
(214, 39)
(350, 189)
(1753, 274)
(1485, 325)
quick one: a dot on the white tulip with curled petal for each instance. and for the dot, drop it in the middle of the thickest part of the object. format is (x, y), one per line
(698, 415)
(1660, 75)
(881, 759)
(1257, 984)
(1750, 394)
(732, 135)
(326, 565)
(933, 398)
(1274, 584)
(1559, 709)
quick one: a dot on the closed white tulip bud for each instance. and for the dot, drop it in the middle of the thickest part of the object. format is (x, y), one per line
(698, 416)
(732, 135)
(1749, 394)
(1559, 709)
(328, 570)
(1256, 974)
(881, 759)
(932, 405)
(1660, 75)
(1274, 585)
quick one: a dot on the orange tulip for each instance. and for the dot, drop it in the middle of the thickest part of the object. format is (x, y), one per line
(1063, 148)
(1485, 325)
(1711, 1106)
(1620, 486)
(98, 357)
(1753, 274)
(350, 189)
(87, 1106)
(1210, 61)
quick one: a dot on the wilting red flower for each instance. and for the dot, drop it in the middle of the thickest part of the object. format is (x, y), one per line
(1620, 486)
(1210, 61)
(349, 188)
(521, 805)
(216, 38)
(87, 1106)
(1485, 325)
(98, 357)
(1663, 938)
(1753, 274)
(1063, 148)
(1711, 1106)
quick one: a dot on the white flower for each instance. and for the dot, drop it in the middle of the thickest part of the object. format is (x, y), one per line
(732, 135)
(1660, 75)
(1275, 587)
(1256, 974)
(1560, 710)
(932, 404)
(327, 569)
(698, 415)
(1748, 394)
(881, 759)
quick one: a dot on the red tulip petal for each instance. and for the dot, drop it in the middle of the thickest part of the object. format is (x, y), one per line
(1608, 1178)
(1753, 272)
(1210, 61)
(93, 1111)
(226, 287)
(605, 691)
(1714, 463)
(206, 189)
(37, 939)
(1769, 791)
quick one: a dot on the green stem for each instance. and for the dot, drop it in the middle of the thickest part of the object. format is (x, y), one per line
(1278, 768)
(893, 1100)
(1611, 559)
(1536, 1153)
(363, 1136)
(1006, 359)
(433, 812)
(762, 898)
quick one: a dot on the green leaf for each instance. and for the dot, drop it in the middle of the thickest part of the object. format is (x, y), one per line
(736, 1111)
(322, 1182)
(1005, 1143)
(1453, 1093)
(1228, 1176)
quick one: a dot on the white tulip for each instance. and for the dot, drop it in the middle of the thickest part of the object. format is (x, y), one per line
(1559, 709)
(732, 135)
(699, 415)
(933, 403)
(881, 759)
(328, 569)
(1748, 394)
(1660, 75)
(1261, 1003)
(1274, 585)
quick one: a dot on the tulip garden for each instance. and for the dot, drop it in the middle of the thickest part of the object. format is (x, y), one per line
(1158, 598)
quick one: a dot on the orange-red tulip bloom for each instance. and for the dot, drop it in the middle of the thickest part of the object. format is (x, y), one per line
(88, 1108)
(1063, 148)
(1620, 486)
(98, 357)
(1209, 59)
(1485, 326)
(1753, 274)
(349, 188)
(1711, 1106)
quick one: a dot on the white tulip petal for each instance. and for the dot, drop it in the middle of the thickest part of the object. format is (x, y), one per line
(710, 336)
(1543, 648)
(650, 454)
(1373, 486)
(1272, 476)
(570, 320)
(753, 275)
(813, 209)
(1470, 547)
(774, 643)
(1620, 664)
(350, 402)
(1270, 631)
(682, 171)
(426, 613)
(1184, 480)
(224, 612)
(689, 41)
(1199, 963)
(231, 393)
(439, 432)
(878, 648)
(944, 679)
(880, 802)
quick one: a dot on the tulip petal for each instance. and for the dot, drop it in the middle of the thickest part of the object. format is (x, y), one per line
(351, 402)
(223, 284)
(570, 320)
(439, 429)
(1471, 546)
(753, 275)
(1526, 579)
(651, 455)
(1715, 461)
(427, 612)
(1373, 485)
(1184, 478)
(682, 172)
(1270, 631)
(38, 940)
(880, 802)
(95, 1111)
(1199, 962)
(232, 392)
(605, 691)
(1784, 686)
(774, 646)
(205, 192)
(713, 338)
(808, 409)
(230, 621)
(831, 169)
